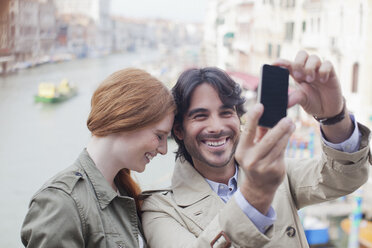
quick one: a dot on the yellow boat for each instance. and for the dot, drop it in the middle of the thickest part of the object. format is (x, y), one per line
(50, 93)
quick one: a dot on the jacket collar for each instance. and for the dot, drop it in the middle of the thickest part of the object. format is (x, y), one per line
(104, 193)
(189, 186)
(234, 180)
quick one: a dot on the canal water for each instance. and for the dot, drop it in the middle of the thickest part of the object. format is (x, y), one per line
(38, 140)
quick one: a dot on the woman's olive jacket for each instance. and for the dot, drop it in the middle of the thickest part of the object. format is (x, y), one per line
(78, 208)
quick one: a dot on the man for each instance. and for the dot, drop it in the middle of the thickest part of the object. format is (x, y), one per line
(232, 188)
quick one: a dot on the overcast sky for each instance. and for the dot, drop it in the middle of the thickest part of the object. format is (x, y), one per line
(180, 10)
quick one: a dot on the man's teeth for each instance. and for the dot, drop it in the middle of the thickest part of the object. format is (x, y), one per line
(148, 156)
(216, 143)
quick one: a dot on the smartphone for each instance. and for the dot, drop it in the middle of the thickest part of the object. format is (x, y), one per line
(273, 94)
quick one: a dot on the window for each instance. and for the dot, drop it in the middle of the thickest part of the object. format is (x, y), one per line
(289, 28)
(220, 21)
(354, 86)
(341, 20)
(290, 3)
(360, 19)
(228, 39)
(304, 26)
(269, 50)
(318, 24)
(278, 51)
(333, 42)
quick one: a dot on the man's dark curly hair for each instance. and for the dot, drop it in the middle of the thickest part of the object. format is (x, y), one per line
(228, 90)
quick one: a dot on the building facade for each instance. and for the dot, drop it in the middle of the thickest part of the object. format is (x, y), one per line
(244, 34)
(27, 29)
(258, 32)
(4, 28)
(96, 10)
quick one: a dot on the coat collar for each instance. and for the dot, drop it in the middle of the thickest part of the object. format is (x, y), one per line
(104, 193)
(189, 186)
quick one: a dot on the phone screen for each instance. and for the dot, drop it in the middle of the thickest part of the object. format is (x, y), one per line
(273, 94)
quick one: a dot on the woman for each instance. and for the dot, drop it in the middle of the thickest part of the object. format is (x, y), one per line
(94, 203)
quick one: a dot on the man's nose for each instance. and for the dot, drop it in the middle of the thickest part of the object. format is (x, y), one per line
(215, 124)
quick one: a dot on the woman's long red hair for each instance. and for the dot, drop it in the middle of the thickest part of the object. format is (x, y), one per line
(128, 99)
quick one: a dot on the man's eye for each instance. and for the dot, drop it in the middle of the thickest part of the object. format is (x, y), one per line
(200, 116)
(160, 137)
(227, 113)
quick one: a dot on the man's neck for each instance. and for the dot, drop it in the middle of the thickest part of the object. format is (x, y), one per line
(219, 175)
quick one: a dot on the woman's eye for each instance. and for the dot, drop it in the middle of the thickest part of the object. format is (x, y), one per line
(160, 137)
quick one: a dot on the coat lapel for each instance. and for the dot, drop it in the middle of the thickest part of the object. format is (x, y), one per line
(194, 195)
(188, 185)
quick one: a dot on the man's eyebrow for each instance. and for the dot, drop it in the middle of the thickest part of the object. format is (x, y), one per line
(197, 110)
(227, 107)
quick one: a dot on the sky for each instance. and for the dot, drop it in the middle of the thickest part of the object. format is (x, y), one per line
(177, 10)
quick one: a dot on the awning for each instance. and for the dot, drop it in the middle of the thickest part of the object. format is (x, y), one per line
(245, 80)
(229, 35)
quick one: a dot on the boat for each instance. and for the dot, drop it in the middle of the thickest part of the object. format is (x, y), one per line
(51, 93)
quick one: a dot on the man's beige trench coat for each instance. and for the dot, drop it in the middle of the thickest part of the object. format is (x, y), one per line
(190, 214)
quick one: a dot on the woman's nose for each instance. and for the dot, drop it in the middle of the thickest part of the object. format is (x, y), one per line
(162, 148)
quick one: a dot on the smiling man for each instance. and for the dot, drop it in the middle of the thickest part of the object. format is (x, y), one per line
(235, 189)
(210, 133)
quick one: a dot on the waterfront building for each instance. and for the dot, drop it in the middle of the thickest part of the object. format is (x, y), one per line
(5, 45)
(209, 47)
(28, 29)
(243, 34)
(130, 34)
(47, 28)
(24, 25)
(219, 33)
(244, 37)
(95, 10)
(256, 32)
(4, 28)
(76, 34)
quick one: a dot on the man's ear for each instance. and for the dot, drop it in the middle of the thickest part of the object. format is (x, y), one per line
(178, 131)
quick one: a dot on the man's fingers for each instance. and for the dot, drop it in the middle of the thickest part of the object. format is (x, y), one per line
(284, 63)
(261, 131)
(311, 68)
(249, 131)
(279, 149)
(301, 58)
(298, 72)
(295, 97)
(269, 141)
(272, 163)
(246, 140)
(325, 71)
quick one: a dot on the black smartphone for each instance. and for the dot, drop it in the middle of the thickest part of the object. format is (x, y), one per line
(273, 94)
